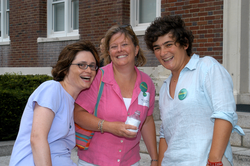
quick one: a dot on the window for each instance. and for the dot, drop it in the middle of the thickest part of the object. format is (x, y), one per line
(4, 21)
(63, 18)
(142, 13)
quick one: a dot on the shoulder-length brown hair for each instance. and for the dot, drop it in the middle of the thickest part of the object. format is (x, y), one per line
(67, 56)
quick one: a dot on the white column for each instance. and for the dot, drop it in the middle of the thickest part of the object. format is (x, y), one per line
(236, 46)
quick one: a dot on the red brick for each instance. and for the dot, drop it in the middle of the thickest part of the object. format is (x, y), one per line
(194, 10)
(201, 40)
(201, 49)
(29, 21)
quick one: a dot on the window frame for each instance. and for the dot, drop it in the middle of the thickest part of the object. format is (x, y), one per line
(4, 36)
(139, 29)
(69, 33)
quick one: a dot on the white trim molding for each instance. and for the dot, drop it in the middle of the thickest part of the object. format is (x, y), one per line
(236, 47)
(26, 70)
(139, 29)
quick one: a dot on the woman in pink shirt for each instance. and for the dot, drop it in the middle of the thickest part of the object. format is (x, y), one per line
(126, 90)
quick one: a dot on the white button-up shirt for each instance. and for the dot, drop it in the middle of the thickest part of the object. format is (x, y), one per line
(204, 92)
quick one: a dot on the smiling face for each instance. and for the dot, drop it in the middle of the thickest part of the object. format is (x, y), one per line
(170, 54)
(81, 78)
(122, 50)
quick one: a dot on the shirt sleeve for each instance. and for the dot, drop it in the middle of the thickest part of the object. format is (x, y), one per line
(48, 95)
(161, 132)
(87, 98)
(219, 92)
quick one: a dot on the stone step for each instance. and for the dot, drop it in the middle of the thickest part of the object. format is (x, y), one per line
(242, 112)
(237, 140)
(6, 148)
(244, 119)
(241, 156)
(8, 145)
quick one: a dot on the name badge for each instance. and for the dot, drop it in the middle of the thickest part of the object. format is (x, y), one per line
(143, 99)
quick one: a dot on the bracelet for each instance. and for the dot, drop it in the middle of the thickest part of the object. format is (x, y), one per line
(153, 160)
(214, 163)
(101, 129)
(99, 125)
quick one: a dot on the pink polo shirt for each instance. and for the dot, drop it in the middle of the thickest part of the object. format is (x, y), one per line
(107, 149)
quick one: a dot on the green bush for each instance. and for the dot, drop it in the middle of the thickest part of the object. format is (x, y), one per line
(14, 93)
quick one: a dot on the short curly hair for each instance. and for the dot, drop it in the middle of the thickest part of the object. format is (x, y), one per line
(169, 24)
(68, 54)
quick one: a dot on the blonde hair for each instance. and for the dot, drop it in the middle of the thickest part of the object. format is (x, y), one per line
(127, 30)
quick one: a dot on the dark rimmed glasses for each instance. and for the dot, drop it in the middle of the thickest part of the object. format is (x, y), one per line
(84, 66)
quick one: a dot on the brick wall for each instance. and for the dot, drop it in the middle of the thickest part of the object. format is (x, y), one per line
(4, 52)
(151, 59)
(48, 52)
(96, 17)
(205, 19)
(27, 23)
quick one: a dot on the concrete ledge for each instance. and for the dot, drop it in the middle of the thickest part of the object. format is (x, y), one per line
(246, 139)
(235, 139)
(243, 119)
(241, 156)
(6, 148)
(26, 70)
(145, 159)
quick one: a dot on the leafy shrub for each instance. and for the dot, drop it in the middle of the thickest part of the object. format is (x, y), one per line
(14, 93)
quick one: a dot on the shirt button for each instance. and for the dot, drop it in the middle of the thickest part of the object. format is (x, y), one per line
(118, 160)
(121, 141)
(120, 150)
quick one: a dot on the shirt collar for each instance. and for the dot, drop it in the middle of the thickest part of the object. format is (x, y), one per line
(109, 74)
(191, 65)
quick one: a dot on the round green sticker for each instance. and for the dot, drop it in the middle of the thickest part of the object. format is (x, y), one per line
(182, 94)
(144, 88)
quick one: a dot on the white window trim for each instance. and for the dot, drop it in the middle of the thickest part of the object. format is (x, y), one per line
(68, 33)
(140, 28)
(4, 38)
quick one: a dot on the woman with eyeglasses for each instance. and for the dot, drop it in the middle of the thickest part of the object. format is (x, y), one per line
(47, 133)
(126, 90)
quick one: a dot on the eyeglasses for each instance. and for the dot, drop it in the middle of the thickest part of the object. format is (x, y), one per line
(85, 66)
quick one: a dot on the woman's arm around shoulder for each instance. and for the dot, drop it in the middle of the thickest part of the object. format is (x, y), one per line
(90, 122)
